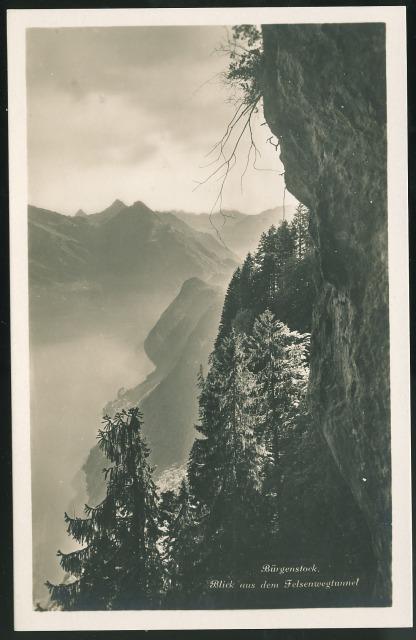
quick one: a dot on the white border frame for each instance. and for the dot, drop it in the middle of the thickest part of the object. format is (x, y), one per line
(400, 613)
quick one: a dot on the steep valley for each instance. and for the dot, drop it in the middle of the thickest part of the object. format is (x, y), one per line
(102, 286)
(179, 344)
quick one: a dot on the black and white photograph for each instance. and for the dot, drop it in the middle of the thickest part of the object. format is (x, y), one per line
(211, 422)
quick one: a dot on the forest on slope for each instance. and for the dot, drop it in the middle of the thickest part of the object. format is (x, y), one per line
(92, 304)
(260, 485)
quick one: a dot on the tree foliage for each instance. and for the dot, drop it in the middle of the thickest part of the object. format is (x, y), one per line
(138, 547)
(246, 61)
(119, 565)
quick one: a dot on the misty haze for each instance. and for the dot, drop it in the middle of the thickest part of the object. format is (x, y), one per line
(102, 271)
(200, 338)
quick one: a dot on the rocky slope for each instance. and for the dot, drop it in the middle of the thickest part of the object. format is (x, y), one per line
(178, 344)
(324, 98)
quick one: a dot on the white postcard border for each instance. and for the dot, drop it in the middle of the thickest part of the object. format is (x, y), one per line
(400, 613)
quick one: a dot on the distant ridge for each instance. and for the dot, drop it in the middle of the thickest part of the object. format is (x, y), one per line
(240, 232)
(113, 210)
(237, 233)
(86, 264)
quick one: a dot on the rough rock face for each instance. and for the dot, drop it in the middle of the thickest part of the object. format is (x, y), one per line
(324, 98)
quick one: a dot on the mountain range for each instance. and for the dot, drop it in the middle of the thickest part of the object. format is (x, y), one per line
(144, 276)
(133, 246)
(238, 231)
(112, 268)
(112, 294)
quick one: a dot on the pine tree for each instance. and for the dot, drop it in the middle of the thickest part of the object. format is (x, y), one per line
(226, 467)
(284, 258)
(232, 304)
(278, 359)
(265, 274)
(181, 547)
(120, 567)
(275, 250)
(246, 282)
(243, 320)
(284, 245)
(300, 230)
(202, 473)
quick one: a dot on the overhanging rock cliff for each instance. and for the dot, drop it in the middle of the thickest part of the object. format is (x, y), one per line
(324, 98)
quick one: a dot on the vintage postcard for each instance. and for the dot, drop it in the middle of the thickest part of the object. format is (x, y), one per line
(210, 340)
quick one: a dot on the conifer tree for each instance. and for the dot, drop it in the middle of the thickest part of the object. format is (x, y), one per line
(265, 276)
(180, 546)
(226, 467)
(278, 360)
(275, 250)
(119, 567)
(284, 258)
(243, 320)
(284, 244)
(246, 282)
(201, 465)
(300, 230)
(232, 304)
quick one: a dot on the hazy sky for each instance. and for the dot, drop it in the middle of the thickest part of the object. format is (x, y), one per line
(131, 113)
